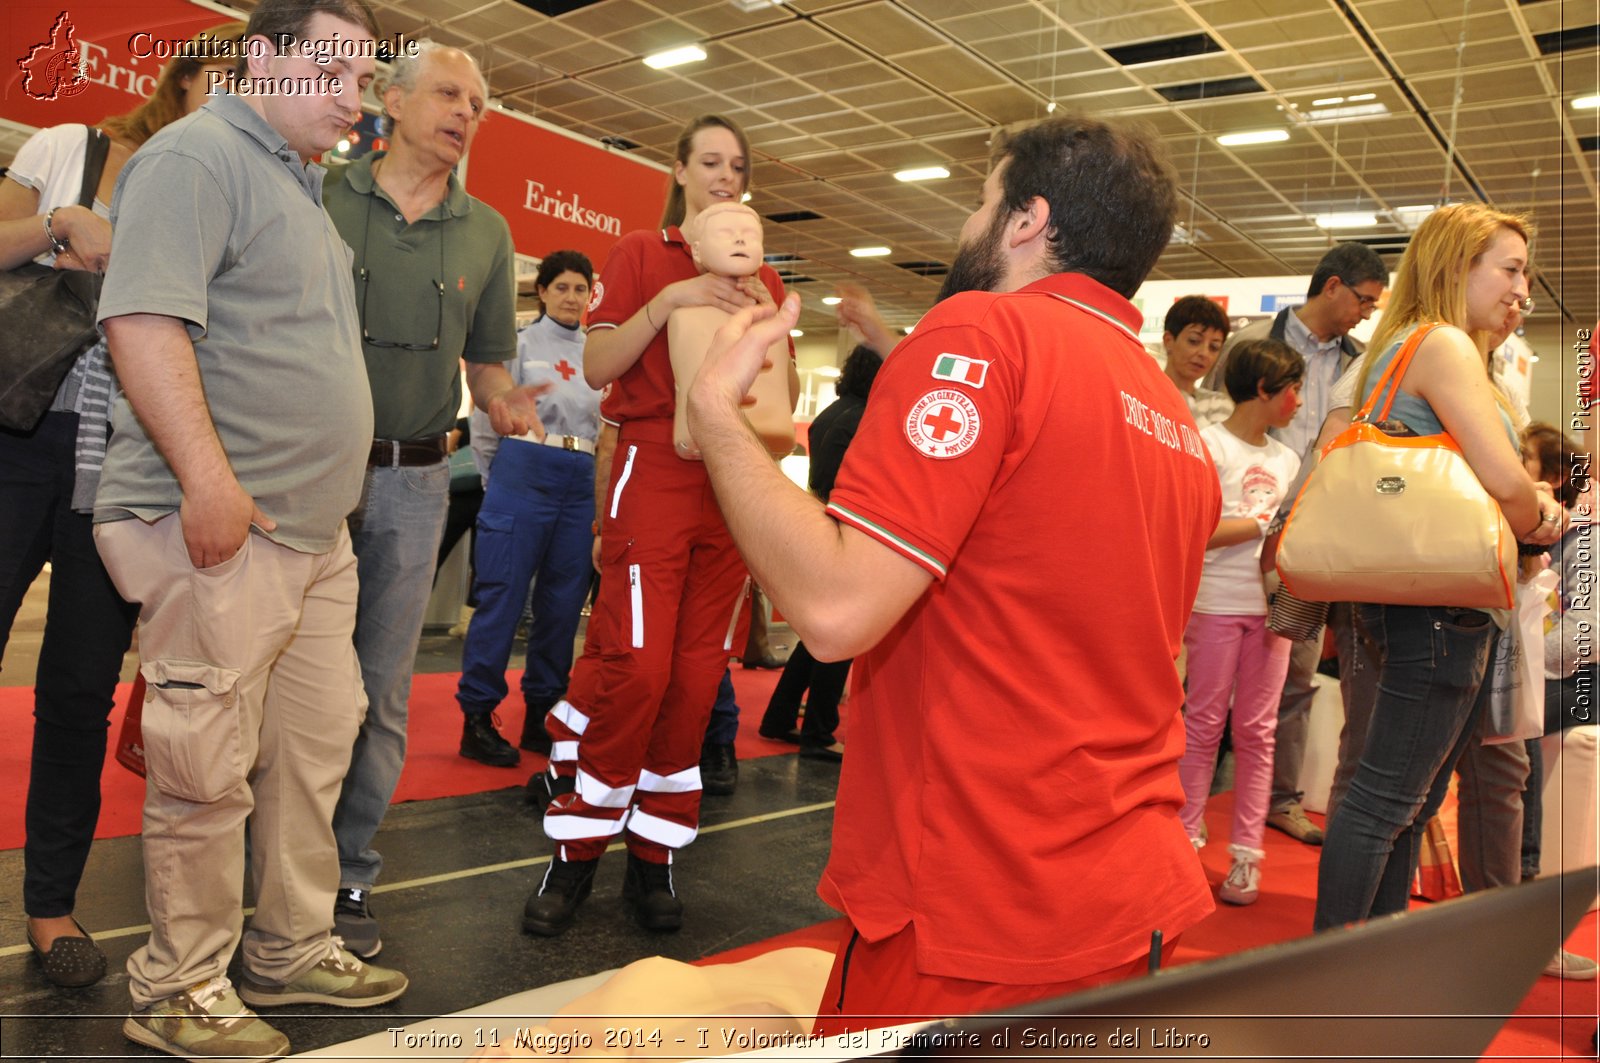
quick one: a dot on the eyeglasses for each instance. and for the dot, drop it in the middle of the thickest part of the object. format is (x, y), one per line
(366, 285)
(1368, 302)
(366, 337)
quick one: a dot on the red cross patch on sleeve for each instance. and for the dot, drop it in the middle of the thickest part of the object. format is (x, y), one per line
(944, 423)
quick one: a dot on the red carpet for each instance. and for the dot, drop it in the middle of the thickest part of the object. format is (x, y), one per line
(433, 768)
(1556, 1020)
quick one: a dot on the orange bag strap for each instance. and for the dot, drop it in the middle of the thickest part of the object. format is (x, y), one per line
(1394, 373)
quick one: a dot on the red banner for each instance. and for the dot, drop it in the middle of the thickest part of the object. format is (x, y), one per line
(558, 192)
(84, 60)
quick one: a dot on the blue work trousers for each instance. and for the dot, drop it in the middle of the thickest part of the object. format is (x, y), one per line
(534, 524)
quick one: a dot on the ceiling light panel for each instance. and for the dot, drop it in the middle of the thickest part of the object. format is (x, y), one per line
(1253, 136)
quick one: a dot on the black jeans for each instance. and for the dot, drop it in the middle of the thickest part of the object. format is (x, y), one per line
(87, 630)
(825, 680)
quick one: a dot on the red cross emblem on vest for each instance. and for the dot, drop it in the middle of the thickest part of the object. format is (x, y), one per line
(565, 369)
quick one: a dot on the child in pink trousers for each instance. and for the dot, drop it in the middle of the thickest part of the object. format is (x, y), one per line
(1233, 658)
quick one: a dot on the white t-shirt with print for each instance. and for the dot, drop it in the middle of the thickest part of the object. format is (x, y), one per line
(1254, 483)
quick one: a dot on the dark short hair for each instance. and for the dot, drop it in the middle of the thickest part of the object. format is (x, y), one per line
(1554, 451)
(1195, 310)
(558, 262)
(1111, 191)
(860, 369)
(1352, 263)
(284, 21)
(1267, 363)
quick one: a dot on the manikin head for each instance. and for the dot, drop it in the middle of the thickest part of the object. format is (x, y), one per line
(725, 239)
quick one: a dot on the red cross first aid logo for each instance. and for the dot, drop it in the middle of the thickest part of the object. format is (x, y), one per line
(594, 299)
(943, 423)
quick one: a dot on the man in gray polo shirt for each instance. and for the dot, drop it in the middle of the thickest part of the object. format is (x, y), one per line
(435, 283)
(236, 454)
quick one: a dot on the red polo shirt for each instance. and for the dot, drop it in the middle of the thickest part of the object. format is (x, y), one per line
(1012, 784)
(641, 264)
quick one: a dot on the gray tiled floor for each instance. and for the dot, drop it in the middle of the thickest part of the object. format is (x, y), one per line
(450, 920)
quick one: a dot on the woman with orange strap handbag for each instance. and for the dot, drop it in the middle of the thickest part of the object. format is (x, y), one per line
(1466, 267)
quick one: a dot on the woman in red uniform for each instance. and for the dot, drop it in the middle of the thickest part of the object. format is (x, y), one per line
(626, 740)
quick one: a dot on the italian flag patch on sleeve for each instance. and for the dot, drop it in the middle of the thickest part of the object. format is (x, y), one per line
(959, 369)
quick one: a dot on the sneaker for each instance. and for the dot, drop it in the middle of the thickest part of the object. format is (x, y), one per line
(206, 1021)
(338, 979)
(566, 885)
(1243, 884)
(543, 787)
(481, 742)
(1294, 822)
(354, 922)
(719, 769)
(1571, 966)
(648, 888)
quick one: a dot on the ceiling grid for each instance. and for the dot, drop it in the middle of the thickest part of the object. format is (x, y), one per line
(836, 95)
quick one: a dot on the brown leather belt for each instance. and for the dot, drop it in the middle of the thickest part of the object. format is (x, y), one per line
(394, 453)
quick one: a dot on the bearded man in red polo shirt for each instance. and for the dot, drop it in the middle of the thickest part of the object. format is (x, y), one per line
(1007, 826)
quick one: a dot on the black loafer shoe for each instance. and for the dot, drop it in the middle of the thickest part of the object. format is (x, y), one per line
(72, 962)
(792, 736)
(834, 752)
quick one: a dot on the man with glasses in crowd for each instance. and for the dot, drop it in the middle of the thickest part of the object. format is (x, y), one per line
(233, 464)
(1345, 289)
(435, 283)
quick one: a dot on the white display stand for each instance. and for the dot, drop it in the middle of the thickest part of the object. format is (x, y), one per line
(1570, 836)
(1322, 745)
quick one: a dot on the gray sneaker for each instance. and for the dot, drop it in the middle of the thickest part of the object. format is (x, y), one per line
(206, 1021)
(338, 979)
(354, 922)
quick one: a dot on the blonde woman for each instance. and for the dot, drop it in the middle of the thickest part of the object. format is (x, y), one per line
(1466, 267)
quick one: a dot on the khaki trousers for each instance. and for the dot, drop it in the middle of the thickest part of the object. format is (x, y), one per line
(253, 702)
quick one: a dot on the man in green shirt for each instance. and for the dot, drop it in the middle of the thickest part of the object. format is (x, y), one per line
(435, 284)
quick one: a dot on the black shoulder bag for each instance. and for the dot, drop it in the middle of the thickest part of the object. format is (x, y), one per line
(46, 318)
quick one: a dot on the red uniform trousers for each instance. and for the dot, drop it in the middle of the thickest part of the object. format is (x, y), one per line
(659, 638)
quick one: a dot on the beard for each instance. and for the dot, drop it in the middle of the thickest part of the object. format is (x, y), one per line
(979, 265)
